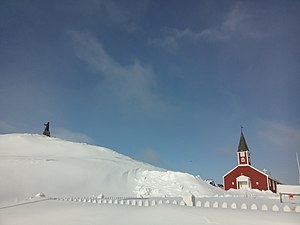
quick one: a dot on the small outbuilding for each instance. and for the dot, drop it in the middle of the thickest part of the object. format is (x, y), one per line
(246, 176)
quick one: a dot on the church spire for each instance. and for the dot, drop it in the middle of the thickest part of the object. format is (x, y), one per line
(242, 145)
(243, 150)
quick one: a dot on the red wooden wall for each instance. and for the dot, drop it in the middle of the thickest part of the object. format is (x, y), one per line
(258, 179)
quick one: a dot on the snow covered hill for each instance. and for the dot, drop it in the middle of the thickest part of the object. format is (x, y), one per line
(31, 163)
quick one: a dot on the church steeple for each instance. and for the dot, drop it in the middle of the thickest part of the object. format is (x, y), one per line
(243, 144)
(243, 150)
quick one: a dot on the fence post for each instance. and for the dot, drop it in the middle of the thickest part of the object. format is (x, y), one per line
(189, 200)
(140, 203)
(216, 205)
(244, 206)
(275, 208)
(233, 205)
(253, 207)
(182, 203)
(224, 205)
(286, 208)
(264, 207)
(207, 204)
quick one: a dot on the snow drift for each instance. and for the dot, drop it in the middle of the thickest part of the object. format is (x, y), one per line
(32, 163)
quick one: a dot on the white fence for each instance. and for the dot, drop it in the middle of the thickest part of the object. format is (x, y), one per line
(223, 204)
(216, 203)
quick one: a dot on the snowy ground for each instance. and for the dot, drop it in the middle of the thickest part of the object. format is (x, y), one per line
(54, 212)
(30, 164)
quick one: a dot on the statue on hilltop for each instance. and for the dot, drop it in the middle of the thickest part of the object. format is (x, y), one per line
(46, 130)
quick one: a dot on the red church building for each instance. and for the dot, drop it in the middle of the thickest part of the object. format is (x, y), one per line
(244, 175)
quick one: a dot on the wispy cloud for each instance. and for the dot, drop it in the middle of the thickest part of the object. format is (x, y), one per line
(277, 144)
(133, 85)
(281, 136)
(71, 135)
(237, 24)
(122, 14)
(173, 37)
(125, 15)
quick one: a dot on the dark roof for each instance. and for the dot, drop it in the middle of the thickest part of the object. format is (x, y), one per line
(242, 145)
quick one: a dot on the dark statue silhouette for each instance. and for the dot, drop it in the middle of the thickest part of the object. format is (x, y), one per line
(46, 130)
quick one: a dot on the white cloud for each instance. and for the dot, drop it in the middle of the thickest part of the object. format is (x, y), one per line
(66, 134)
(133, 85)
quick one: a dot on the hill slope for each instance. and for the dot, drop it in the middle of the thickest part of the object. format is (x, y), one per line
(31, 163)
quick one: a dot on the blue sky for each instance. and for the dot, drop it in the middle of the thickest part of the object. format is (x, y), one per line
(166, 82)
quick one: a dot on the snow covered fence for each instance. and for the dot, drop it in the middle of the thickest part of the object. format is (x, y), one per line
(216, 203)
(140, 201)
(232, 203)
(134, 201)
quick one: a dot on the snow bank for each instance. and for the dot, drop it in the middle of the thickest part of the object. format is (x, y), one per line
(32, 163)
(150, 183)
